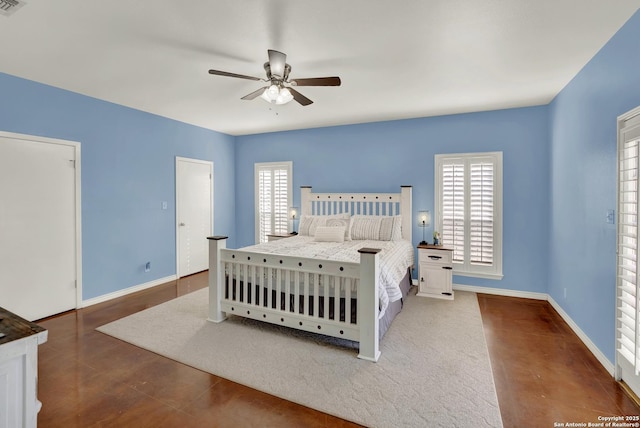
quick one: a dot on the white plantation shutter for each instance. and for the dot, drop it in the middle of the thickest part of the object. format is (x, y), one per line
(481, 213)
(627, 307)
(453, 209)
(469, 211)
(281, 200)
(265, 203)
(628, 250)
(273, 198)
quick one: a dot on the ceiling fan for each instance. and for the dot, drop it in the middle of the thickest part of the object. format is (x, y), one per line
(278, 71)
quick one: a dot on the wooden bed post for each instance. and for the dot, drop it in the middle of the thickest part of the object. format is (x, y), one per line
(216, 278)
(305, 200)
(368, 304)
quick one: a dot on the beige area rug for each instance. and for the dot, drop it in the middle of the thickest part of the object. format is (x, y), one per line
(434, 370)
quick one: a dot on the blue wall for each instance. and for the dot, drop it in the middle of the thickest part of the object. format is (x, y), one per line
(128, 169)
(582, 256)
(383, 156)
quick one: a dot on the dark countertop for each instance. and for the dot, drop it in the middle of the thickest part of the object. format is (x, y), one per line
(14, 328)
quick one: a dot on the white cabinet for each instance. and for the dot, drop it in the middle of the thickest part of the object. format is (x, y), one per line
(19, 405)
(435, 272)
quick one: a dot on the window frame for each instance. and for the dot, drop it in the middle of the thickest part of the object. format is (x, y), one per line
(466, 268)
(260, 166)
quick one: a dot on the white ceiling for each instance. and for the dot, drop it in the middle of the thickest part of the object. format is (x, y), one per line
(397, 59)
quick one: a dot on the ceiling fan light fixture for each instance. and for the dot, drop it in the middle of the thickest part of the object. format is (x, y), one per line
(284, 96)
(265, 96)
(272, 92)
(275, 94)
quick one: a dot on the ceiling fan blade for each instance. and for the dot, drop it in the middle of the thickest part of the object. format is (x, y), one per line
(317, 81)
(277, 62)
(227, 74)
(254, 94)
(301, 99)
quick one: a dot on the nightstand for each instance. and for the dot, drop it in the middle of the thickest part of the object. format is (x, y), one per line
(276, 236)
(435, 272)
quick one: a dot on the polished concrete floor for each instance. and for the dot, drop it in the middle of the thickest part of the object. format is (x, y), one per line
(543, 374)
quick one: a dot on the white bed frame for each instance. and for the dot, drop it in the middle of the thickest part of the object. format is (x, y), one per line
(304, 277)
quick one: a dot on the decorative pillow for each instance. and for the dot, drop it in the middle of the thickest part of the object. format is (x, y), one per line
(309, 223)
(329, 234)
(365, 227)
(396, 234)
(341, 222)
(396, 230)
(386, 228)
(379, 228)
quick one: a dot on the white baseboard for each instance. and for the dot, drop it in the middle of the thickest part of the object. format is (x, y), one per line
(608, 365)
(120, 293)
(501, 292)
(544, 296)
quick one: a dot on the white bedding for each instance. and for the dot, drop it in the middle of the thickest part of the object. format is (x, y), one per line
(395, 258)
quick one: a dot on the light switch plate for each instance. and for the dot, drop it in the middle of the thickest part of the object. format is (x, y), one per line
(611, 215)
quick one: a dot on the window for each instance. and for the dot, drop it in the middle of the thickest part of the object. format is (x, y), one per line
(468, 211)
(273, 198)
(628, 286)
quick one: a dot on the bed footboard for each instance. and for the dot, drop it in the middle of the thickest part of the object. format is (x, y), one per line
(314, 295)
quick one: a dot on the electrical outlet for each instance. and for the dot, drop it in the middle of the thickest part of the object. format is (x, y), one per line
(164, 205)
(147, 267)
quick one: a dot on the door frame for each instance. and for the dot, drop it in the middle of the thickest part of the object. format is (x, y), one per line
(177, 183)
(77, 197)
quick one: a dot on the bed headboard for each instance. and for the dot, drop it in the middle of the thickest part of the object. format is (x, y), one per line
(360, 203)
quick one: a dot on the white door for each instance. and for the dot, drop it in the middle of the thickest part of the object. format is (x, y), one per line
(628, 284)
(194, 214)
(38, 269)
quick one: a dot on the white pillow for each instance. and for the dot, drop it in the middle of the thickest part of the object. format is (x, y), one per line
(341, 222)
(309, 223)
(378, 228)
(365, 227)
(396, 233)
(329, 234)
(391, 228)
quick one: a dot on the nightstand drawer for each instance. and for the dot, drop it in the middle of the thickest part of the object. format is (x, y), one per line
(435, 256)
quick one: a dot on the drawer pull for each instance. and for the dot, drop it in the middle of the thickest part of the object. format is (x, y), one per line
(447, 267)
(435, 257)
